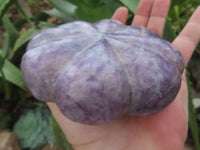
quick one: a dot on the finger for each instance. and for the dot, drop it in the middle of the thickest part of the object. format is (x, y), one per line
(121, 14)
(59, 117)
(158, 16)
(143, 12)
(189, 37)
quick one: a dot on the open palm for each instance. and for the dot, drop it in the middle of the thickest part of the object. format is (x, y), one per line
(165, 130)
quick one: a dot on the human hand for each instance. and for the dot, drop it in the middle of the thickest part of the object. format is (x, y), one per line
(164, 130)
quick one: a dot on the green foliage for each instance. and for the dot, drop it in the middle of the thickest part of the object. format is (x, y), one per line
(45, 25)
(3, 55)
(113, 4)
(5, 118)
(24, 38)
(180, 12)
(88, 10)
(131, 4)
(93, 11)
(169, 31)
(13, 74)
(35, 2)
(10, 30)
(22, 10)
(59, 15)
(60, 138)
(33, 129)
(64, 6)
(4, 5)
(92, 14)
(12, 35)
(192, 116)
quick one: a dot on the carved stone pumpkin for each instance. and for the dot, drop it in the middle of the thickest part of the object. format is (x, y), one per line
(98, 72)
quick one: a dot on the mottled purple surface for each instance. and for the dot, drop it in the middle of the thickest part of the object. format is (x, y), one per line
(98, 72)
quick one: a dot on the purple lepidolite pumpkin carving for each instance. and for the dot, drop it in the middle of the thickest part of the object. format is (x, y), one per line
(98, 72)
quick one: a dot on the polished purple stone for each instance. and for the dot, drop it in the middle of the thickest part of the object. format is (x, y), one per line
(98, 72)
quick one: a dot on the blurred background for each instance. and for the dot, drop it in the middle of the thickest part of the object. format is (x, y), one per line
(25, 122)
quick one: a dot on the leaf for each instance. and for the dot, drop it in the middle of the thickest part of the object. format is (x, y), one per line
(61, 141)
(113, 5)
(45, 25)
(176, 10)
(93, 3)
(169, 32)
(59, 15)
(24, 5)
(192, 116)
(64, 6)
(130, 4)
(34, 2)
(75, 2)
(25, 37)
(11, 30)
(21, 9)
(13, 74)
(4, 53)
(4, 4)
(92, 14)
(92, 11)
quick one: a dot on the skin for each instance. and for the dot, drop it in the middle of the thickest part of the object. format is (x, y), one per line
(161, 131)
